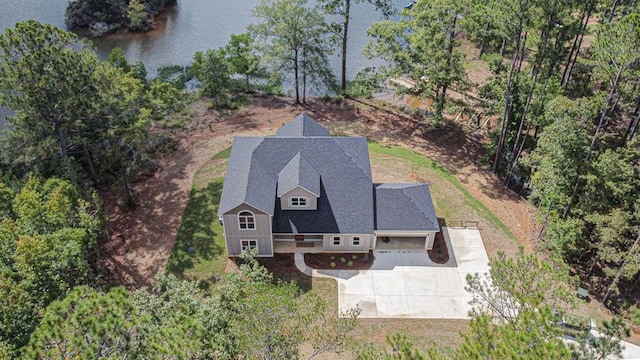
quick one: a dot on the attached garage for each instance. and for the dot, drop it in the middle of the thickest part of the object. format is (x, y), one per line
(405, 217)
(400, 241)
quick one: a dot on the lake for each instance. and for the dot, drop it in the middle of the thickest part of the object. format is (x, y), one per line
(187, 27)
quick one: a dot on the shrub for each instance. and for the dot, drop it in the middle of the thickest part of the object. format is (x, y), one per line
(343, 260)
(332, 257)
(350, 264)
(354, 257)
(332, 264)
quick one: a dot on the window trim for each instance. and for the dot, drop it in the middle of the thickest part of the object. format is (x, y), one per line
(353, 240)
(299, 198)
(336, 238)
(248, 246)
(249, 221)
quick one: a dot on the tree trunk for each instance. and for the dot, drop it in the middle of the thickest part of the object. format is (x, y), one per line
(345, 30)
(632, 129)
(575, 48)
(87, 158)
(452, 36)
(483, 43)
(507, 102)
(545, 221)
(131, 200)
(635, 283)
(601, 122)
(62, 139)
(517, 147)
(304, 85)
(295, 75)
(613, 10)
(624, 263)
(523, 50)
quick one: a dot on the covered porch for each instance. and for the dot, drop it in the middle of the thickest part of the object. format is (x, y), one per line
(291, 247)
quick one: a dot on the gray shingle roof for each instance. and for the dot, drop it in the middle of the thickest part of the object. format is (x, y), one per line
(240, 177)
(346, 193)
(404, 207)
(298, 172)
(302, 125)
(337, 168)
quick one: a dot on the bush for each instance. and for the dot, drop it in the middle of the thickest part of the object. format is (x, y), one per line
(343, 260)
(354, 257)
(350, 264)
(332, 264)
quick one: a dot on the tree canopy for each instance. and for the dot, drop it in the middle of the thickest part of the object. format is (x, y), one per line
(48, 236)
(74, 116)
(103, 17)
(294, 37)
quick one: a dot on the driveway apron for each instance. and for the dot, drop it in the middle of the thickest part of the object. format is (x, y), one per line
(406, 284)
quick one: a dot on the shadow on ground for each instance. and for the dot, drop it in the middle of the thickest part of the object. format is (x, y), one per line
(198, 236)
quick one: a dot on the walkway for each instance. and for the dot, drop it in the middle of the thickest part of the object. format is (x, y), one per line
(405, 284)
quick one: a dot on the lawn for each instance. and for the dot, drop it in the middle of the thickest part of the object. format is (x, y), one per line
(200, 252)
(451, 200)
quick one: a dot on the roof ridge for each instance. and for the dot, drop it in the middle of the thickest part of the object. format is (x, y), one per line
(364, 171)
(302, 158)
(412, 200)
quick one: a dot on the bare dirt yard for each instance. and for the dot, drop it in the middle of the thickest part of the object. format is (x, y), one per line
(142, 238)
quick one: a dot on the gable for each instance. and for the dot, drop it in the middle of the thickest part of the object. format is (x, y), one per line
(298, 173)
(245, 207)
(302, 125)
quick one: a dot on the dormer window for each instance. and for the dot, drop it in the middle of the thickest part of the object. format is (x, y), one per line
(246, 220)
(298, 201)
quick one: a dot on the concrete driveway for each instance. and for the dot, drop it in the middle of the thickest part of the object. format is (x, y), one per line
(406, 284)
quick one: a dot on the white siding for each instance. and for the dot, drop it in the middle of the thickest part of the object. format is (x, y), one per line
(312, 201)
(346, 243)
(261, 233)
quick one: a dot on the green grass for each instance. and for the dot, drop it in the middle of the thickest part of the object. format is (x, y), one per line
(200, 252)
(418, 160)
(224, 154)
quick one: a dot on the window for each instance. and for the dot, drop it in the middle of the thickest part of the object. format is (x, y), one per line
(355, 241)
(337, 241)
(248, 245)
(298, 201)
(246, 220)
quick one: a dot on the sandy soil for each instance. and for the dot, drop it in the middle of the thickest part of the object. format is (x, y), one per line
(142, 239)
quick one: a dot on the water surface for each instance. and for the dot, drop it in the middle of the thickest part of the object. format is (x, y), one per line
(187, 27)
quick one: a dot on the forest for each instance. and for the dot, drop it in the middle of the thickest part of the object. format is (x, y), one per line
(563, 98)
(103, 17)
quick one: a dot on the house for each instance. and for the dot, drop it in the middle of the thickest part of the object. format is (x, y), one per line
(308, 188)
